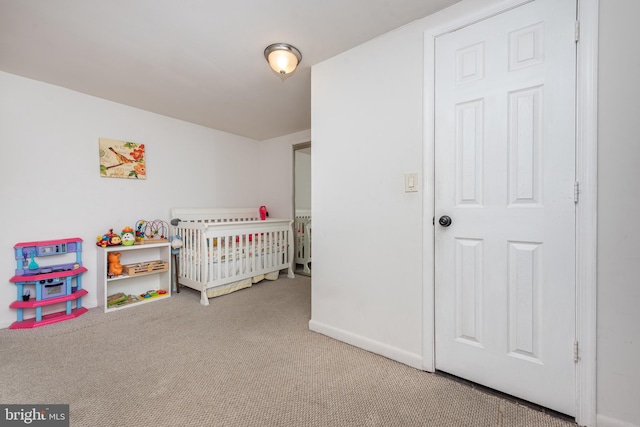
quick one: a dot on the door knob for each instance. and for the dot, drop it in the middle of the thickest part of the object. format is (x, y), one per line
(445, 221)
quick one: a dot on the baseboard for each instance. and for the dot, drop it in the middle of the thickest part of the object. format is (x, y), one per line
(393, 353)
(604, 421)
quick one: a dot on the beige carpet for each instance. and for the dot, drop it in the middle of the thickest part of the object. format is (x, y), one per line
(246, 360)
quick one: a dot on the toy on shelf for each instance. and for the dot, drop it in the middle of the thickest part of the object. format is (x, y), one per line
(151, 231)
(145, 267)
(153, 294)
(116, 299)
(121, 299)
(53, 284)
(102, 241)
(140, 231)
(128, 237)
(115, 268)
(108, 239)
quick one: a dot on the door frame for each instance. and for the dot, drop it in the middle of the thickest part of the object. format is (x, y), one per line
(296, 147)
(586, 176)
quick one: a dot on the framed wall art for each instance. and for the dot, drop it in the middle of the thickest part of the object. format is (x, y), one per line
(122, 159)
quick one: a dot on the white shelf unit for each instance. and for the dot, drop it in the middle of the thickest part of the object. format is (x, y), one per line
(137, 284)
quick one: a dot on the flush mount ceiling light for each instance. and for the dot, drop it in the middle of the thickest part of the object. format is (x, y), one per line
(282, 57)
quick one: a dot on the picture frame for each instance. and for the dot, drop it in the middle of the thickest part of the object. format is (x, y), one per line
(122, 159)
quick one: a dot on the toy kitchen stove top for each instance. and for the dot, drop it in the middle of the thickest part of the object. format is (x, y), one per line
(25, 254)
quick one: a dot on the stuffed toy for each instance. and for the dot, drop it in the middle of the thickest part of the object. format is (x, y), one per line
(176, 244)
(115, 267)
(128, 237)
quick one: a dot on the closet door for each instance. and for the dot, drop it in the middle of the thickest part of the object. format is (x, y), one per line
(505, 210)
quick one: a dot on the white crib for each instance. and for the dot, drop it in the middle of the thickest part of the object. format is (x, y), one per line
(225, 250)
(302, 227)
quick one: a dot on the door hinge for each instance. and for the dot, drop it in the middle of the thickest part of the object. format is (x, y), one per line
(577, 31)
(576, 192)
(576, 356)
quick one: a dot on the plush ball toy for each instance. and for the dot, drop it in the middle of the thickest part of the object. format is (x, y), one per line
(128, 236)
(176, 244)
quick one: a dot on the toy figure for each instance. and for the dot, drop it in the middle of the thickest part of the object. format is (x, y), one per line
(115, 267)
(108, 239)
(128, 237)
(102, 241)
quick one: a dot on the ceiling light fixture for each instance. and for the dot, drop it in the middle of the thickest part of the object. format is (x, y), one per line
(282, 57)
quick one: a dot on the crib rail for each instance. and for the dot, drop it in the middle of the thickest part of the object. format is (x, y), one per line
(302, 228)
(208, 215)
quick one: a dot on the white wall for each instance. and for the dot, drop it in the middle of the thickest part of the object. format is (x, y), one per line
(367, 132)
(619, 215)
(367, 117)
(276, 173)
(51, 188)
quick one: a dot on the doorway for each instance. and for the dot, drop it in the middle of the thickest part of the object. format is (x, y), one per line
(302, 207)
(504, 203)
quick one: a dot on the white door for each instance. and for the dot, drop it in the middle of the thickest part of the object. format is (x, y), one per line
(505, 173)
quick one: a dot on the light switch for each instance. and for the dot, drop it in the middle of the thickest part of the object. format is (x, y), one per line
(410, 182)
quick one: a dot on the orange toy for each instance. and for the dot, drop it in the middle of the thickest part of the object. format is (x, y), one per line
(115, 267)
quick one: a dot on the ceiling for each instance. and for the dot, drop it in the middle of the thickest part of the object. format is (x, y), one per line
(196, 60)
